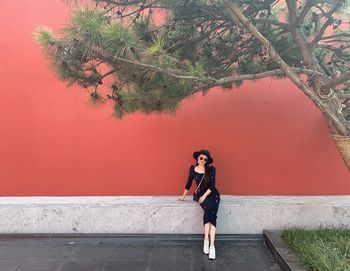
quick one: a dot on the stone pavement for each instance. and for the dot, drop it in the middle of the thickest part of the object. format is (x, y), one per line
(131, 252)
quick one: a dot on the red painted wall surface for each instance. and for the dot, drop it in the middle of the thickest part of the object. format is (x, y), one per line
(266, 138)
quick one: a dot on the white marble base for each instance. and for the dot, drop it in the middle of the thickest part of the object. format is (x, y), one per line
(164, 214)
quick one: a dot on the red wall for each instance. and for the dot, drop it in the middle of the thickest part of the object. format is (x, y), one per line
(266, 137)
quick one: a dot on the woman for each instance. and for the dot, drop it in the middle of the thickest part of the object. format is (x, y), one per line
(209, 196)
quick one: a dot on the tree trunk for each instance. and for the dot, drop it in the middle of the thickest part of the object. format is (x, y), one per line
(343, 145)
(341, 142)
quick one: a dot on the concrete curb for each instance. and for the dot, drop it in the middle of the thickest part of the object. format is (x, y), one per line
(283, 255)
(251, 239)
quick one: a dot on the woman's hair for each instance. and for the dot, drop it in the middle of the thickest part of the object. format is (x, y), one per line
(208, 173)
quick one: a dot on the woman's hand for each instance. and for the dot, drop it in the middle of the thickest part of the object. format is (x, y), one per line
(201, 199)
(181, 198)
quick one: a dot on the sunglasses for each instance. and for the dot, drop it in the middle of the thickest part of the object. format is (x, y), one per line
(202, 158)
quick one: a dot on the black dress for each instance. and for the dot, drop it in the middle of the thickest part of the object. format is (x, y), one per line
(211, 203)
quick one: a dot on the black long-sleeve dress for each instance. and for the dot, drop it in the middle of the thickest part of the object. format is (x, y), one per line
(211, 203)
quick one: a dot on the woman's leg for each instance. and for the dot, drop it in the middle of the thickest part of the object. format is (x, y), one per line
(212, 234)
(205, 221)
(206, 231)
(213, 215)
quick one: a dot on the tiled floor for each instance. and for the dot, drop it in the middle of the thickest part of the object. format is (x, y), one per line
(114, 254)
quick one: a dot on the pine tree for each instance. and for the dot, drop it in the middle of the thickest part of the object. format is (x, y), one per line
(151, 67)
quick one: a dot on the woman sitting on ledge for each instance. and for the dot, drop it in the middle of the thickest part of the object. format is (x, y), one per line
(206, 194)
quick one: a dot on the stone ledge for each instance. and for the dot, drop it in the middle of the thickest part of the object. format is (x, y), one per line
(164, 214)
(343, 200)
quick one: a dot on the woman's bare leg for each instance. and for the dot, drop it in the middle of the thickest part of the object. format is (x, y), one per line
(212, 234)
(206, 231)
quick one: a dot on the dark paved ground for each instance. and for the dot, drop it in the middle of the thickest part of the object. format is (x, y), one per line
(110, 253)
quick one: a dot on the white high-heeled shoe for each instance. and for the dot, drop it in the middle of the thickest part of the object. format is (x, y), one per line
(212, 253)
(206, 247)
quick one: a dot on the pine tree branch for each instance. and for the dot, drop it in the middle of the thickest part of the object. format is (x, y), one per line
(276, 72)
(337, 41)
(273, 22)
(143, 7)
(210, 80)
(339, 52)
(345, 34)
(329, 21)
(336, 118)
(120, 3)
(309, 59)
(180, 43)
(309, 4)
(336, 81)
(171, 73)
(343, 95)
(307, 53)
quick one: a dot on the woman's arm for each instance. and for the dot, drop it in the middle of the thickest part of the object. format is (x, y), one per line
(185, 193)
(211, 186)
(188, 184)
(189, 179)
(207, 193)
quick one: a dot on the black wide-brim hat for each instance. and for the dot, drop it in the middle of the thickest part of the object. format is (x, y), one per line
(206, 153)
